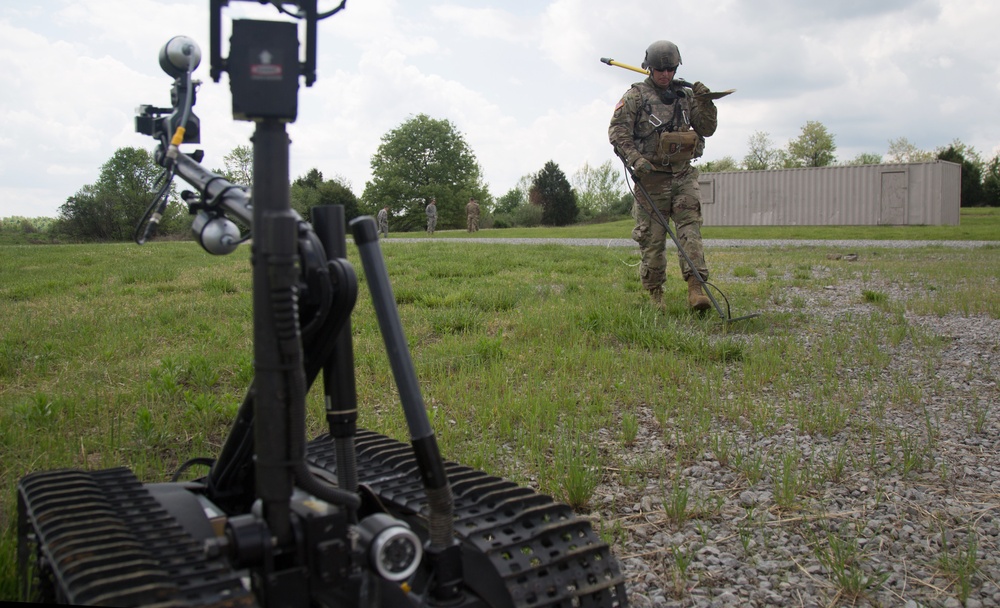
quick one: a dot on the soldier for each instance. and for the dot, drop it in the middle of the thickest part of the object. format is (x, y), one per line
(472, 215)
(383, 221)
(657, 128)
(432, 216)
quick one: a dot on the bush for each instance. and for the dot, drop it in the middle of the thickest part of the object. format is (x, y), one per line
(110, 209)
(525, 216)
(503, 220)
(528, 216)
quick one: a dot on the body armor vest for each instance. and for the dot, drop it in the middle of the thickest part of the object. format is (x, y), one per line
(663, 132)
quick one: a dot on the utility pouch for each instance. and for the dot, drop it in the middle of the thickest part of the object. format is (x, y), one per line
(676, 146)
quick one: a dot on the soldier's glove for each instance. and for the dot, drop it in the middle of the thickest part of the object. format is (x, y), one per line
(641, 168)
(700, 96)
(699, 89)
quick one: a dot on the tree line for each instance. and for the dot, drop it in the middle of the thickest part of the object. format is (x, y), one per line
(110, 209)
(426, 158)
(423, 158)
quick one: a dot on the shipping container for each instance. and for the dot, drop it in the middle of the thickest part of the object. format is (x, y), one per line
(859, 195)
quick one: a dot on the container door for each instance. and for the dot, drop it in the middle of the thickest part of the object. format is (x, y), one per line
(893, 198)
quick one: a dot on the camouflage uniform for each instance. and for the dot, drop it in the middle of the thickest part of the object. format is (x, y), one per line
(472, 215)
(432, 217)
(383, 222)
(646, 115)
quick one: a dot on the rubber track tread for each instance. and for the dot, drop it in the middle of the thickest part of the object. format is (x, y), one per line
(107, 541)
(540, 552)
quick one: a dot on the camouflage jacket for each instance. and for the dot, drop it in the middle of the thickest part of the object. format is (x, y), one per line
(432, 211)
(647, 113)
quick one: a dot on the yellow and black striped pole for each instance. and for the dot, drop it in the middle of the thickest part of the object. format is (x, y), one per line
(619, 64)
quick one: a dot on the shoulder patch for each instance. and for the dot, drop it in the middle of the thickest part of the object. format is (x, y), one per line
(621, 102)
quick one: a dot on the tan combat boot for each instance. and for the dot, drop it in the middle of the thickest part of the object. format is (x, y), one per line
(656, 297)
(696, 297)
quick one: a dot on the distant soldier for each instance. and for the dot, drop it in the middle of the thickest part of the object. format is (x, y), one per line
(657, 128)
(472, 215)
(432, 216)
(383, 221)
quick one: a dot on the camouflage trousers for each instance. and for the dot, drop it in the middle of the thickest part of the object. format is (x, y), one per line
(431, 224)
(679, 200)
(473, 223)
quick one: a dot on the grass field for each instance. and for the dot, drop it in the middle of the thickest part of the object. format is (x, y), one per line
(531, 358)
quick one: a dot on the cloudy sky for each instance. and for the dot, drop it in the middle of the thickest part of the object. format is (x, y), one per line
(521, 80)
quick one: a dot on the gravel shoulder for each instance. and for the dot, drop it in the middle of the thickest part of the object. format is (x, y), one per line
(928, 536)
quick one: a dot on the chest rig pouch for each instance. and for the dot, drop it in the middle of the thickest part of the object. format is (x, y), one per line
(663, 128)
(676, 146)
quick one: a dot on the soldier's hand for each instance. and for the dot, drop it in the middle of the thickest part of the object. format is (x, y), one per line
(700, 89)
(642, 168)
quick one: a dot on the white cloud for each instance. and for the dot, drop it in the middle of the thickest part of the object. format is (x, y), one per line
(485, 23)
(522, 80)
(65, 170)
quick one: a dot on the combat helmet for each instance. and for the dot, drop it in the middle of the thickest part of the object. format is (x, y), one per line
(661, 55)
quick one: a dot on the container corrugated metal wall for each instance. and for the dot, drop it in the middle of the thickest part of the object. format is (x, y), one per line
(862, 195)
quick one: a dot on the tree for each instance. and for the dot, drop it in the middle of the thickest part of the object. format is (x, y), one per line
(110, 209)
(551, 190)
(866, 158)
(726, 163)
(972, 176)
(312, 179)
(17, 224)
(510, 201)
(991, 182)
(598, 189)
(421, 159)
(239, 166)
(967, 152)
(516, 196)
(514, 208)
(814, 147)
(762, 154)
(903, 151)
(311, 189)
